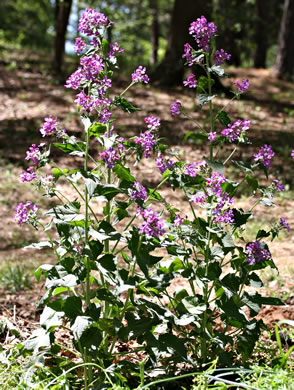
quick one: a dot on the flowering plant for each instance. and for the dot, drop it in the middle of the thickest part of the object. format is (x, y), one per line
(109, 287)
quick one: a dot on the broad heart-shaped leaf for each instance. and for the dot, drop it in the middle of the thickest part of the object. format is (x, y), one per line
(240, 217)
(68, 213)
(192, 305)
(202, 85)
(123, 104)
(80, 325)
(123, 173)
(215, 166)
(39, 339)
(262, 234)
(86, 121)
(74, 149)
(171, 342)
(65, 281)
(255, 300)
(223, 117)
(51, 318)
(108, 191)
(73, 307)
(253, 183)
(247, 339)
(97, 129)
(217, 70)
(108, 262)
(204, 98)
(90, 340)
(56, 172)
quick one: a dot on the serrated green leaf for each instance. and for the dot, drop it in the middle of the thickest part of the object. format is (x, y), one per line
(223, 118)
(125, 105)
(215, 166)
(123, 173)
(204, 98)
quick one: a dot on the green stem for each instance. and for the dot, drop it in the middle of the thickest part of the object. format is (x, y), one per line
(86, 221)
(210, 107)
(124, 91)
(50, 239)
(231, 155)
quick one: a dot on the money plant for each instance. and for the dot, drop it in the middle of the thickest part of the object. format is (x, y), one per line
(121, 246)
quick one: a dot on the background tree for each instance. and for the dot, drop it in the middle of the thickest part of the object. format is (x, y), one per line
(285, 56)
(62, 12)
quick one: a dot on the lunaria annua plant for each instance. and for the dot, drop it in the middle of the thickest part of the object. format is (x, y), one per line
(111, 287)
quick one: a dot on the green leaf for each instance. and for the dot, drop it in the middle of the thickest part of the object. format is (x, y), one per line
(253, 183)
(86, 122)
(204, 98)
(123, 104)
(73, 307)
(223, 118)
(39, 339)
(217, 70)
(123, 173)
(228, 241)
(247, 340)
(97, 129)
(108, 262)
(76, 149)
(57, 173)
(51, 318)
(262, 234)
(240, 217)
(80, 325)
(192, 305)
(202, 85)
(215, 166)
(67, 213)
(108, 191)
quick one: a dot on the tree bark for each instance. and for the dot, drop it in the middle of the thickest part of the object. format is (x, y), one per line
(62, 12)
(285, 56)
(261, 33)
(155, 31)
(171, 69)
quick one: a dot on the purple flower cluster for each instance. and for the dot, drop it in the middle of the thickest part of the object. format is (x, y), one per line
(224, 216)
(236, 130)
(89, 71)
(109, 156)
(256, 253)
(92, 21)
(284, 224)
(25, 212)
(147, 141)
(278, 185)
(202, 32)
(220, 56)
(242, 86)
(138, 192)
(113, 50)
(191, 58)
(28, 175)
(212, 136)
(178, 220)
(163, 165)
(34, 153)
(140, 76)
(50, 127)
(175, 108)
(153, 226)
(191, 81)
(153, 123)
(193, 168)
(264, 155)
(292, 154)
(79, 46)
(199, 197)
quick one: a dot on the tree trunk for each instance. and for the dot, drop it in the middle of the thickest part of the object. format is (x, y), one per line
(155, 31)
(62, 12)
(261, 33)
(285, 56)
(171, 69)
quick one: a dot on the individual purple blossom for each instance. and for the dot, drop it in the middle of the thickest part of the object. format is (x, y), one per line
(202, 32)
(264, 155)
(220, 56)
(79, 46)
(147, 141)
(153, 226)
(138, 192)
(284, 224)
(109, 156)
(92, 21)
(153, 123)
(212, 136)
(140, 76)
(214, 183)
(236, 130)
(199, 197)
(163, 165)
(256, 253)
(28, 175)
(242, 86)
(292, 154)
(49, 127)
(278, 185)
(113, 50)
(175, 108)
(34, 153)
(104, 116)
(25, 212)
(178, 220)
(191, 81)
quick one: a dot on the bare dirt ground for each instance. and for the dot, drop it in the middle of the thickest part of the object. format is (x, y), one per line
(28, 94)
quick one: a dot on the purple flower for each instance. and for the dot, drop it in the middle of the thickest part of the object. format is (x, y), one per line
(89, 71)
(104, 116)
(191, 58)
(278, 185)
(214, 183)
(25, 212)
(284, 224)
(264, 155)
(236, 130)
(153, 123)
(92, 21)
(113, 50)
(224, 217)
(140, 76)
(178, 221)
(163, 165)
(243, 86)
(220, 56)
(292, 154)
(138, 192)
(199, 197)
(191, 81)
(34, 153)
(175, 108)
(256, 253)
(212, 136)
(147, 140)
(80, 45)
(28, 175)
(109, 156)
(202, 32)
(49, 126)
(193, 168)
(153, 226)
(75, 79)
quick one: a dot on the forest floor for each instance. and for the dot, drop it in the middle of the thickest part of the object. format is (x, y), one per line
(29, 93)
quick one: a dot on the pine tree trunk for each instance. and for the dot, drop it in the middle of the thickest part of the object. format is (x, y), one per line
(261, 33)
(171, 69)
(62, 12)
(285, 56)
(155, 31)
